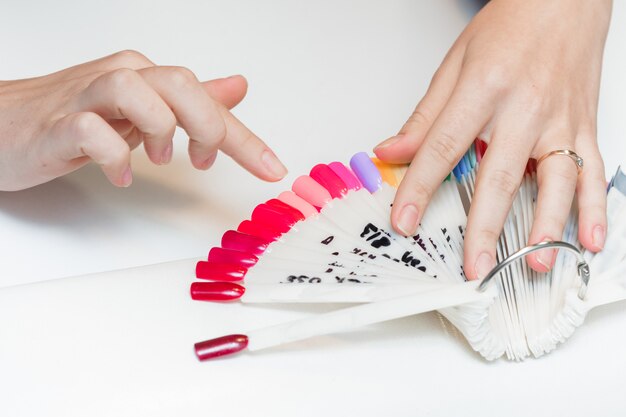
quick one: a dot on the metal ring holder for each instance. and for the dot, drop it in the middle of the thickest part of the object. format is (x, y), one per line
(582, 266)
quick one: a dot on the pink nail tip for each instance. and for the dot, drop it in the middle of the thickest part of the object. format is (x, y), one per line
(310, 190)
(227, 256)
(221, 346)
(220, 272)
(290, 198)
(216, 291)
(328, 179)
(260, 230)
(351, 181)
(244, 243)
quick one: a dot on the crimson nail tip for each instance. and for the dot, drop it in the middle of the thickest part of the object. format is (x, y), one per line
(216, 291)
(220, 271)
(220, 346)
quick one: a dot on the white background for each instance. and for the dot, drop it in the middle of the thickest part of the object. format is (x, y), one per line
(327, 79)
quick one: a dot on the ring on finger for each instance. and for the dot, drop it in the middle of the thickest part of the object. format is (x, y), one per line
(565, 152)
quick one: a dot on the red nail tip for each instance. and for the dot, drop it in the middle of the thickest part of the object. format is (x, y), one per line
(351, 181)
(244, 243)
(277, 219)
(220, 272)
(216, 291)
(227, 256)
(221, 346)
(328, 179)
(294, 212)
(263, 231)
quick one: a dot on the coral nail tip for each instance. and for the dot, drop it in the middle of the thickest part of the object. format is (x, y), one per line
(221, 346)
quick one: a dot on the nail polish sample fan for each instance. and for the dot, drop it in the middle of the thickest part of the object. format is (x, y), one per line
(329, 240)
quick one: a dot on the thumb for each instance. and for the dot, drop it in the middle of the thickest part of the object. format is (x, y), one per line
(228, 91)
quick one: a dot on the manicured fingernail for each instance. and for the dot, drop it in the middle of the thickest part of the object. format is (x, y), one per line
(407, 220)
(598, 237)
(484, 264)
(273, 165)
(166, 156)
(388, 142)
(546, 258)
(127, 177)
(209, 161)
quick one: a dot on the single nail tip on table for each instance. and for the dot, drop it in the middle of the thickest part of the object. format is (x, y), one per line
(216, 291)
(221, 346)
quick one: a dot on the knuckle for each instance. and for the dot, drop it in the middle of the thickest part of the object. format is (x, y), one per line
(420, 117)
(120, 79)
(532, 99)
(495, 79)
(84, 124)
(130, 58)
(503, 183)
(217, 131)
(118, 154)
(551, 224)
(488, 237)
(181, 77)
(420, 188)
(443, 148)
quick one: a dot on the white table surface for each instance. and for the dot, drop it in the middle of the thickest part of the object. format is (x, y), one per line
(327, 79)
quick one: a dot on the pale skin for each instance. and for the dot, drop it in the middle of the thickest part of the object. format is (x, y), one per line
(100, 110)
(523, 76)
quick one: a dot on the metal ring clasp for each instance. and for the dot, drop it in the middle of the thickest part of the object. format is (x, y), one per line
(582, 266)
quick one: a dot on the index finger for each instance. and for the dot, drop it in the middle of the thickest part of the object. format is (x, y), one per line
(248, 150)
(457, 126)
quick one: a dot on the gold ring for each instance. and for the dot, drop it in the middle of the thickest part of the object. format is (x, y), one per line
(566, 152)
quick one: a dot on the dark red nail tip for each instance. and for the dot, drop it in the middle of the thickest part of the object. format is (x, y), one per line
(227, 256)
(328, 179)
(221, 346)
(220, 272)
(216, 291)
(245, 243)
(263, 231)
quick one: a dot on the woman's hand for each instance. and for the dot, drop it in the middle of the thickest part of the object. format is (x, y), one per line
(524, 77)
(101, 110)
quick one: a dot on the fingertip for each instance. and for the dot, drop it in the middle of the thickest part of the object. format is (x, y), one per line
(123, 180)
(275, 169)
(166, 156)
(204, 164)
(387, 143)
(592, 237)
(240, 79)
(480, 266)
(406, 220)
(541, 263)
(397, 149)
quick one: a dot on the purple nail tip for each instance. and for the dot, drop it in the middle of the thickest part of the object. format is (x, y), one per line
(366, 171)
